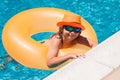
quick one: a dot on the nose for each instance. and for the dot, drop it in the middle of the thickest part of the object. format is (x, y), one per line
(73, 32)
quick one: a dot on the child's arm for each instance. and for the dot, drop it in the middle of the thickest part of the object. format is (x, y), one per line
(92, 43)
(56, 60)
(53, 52)
(86, 41)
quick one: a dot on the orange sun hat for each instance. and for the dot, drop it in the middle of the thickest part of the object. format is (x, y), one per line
(71, 20)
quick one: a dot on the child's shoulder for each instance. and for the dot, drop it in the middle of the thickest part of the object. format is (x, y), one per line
(55, 39)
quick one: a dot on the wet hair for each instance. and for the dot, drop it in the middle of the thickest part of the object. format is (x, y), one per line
(59, 34)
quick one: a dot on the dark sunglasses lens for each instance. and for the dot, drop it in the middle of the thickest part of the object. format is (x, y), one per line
(68, 28)
(77, 30)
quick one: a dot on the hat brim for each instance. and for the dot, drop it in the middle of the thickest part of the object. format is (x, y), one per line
(78, 25)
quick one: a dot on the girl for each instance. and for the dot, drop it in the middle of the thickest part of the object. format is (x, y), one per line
(68, 35)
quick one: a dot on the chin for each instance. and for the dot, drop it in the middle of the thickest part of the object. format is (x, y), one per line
(71, 38)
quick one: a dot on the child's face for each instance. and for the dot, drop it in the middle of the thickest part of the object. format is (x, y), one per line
(70, 33)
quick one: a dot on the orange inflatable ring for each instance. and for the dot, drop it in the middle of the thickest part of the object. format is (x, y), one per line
(17, 33)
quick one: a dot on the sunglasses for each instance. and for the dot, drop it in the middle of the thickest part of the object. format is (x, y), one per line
(70, 29)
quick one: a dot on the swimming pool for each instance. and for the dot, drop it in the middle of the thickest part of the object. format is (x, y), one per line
(102, 15)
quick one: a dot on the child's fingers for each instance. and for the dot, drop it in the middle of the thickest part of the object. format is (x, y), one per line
(83, 56)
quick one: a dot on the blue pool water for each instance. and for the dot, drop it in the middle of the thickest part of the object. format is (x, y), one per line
(103, 15)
